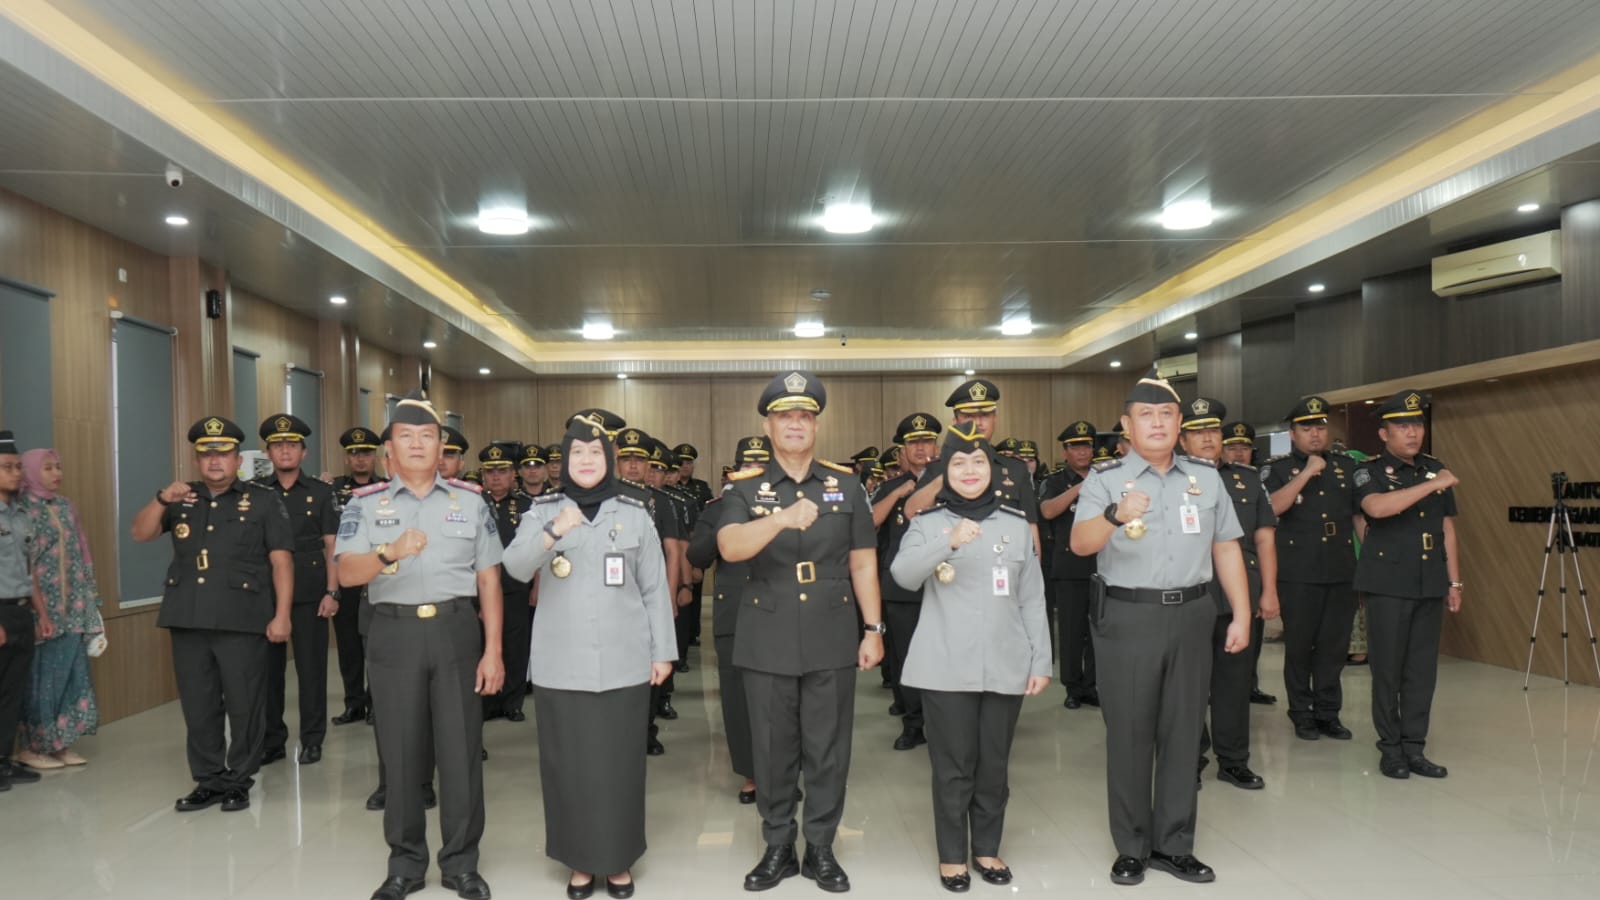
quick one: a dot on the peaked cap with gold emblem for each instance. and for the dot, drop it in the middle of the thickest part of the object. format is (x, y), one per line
(797, 389)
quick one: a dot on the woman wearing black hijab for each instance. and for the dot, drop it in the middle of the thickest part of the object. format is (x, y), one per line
(603, 636)
(981, 645)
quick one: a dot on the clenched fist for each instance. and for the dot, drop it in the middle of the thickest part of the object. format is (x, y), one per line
(963, 533)
(569, 518)
(799, 516)
(1315, 464)
(1133, 505)
(410, 543)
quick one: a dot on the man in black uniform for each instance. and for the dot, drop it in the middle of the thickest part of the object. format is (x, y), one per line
(806, 527)
(663, 464)
(508, 504)
(454, 459)
(531, 472)
(1410, 571)
(552, 467)
(699, 494)
(687, 456)
(977, 401)
(314, 518)
(918, 435)
(633, 471)
(1239, 448)
(228, 595)
(361, 456)
(1314, 499)
(1231, 672)
(1068, 572)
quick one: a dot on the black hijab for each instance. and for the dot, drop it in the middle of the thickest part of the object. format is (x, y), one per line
(966, 438)
(589, 498)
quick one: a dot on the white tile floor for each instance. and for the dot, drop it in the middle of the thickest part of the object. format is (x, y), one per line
(1517, 818)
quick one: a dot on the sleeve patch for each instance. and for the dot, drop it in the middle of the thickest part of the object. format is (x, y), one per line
(1363, 477)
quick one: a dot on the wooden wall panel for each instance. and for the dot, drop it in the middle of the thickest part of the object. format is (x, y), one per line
(1270, 384)
(282, 338)
(1401, 321)
(1580, 275)
(1328, 352)
(135, 673)
(1220, 361)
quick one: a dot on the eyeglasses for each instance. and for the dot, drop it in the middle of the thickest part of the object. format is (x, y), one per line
(11, 467)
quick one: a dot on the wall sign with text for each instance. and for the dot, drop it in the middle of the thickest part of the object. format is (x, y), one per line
(1583, 508)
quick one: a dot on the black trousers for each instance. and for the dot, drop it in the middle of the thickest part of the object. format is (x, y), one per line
(902, 620)
(16, 664)
(423, 672)
(801, 720)
(1230, 700)
(1403, 652)
(1316, 641)
(347, 640)
(1154, 676)
(696, 608)
(516, 631)
(1077, 650)
(222, 689)
(735, 708)
(969, 747)
(683, 629)
(1258, 633)
(310, 640)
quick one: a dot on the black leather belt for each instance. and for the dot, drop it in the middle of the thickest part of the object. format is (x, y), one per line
(803, 573)
(426, 610)
(1173, 597)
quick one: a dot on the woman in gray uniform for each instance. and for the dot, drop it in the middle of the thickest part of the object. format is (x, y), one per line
(981, 645)
(603, 636)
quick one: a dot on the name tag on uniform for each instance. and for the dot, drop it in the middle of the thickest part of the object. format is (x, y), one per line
(456, 517)
(833, 496)
(614, 570)
(1002, 581)
(1189, 514)
(387, 523)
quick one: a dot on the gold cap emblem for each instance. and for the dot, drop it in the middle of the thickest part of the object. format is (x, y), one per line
(496, 453)
(919, 423)
(795, 383)
(1241, 430)
(632, 438)
(1083, 428)
(358, 435)
(978, 391)
(214, 427)
(283, 424)
(754, 443)
(1200, 406)
(1413, 402)
(1314, 405)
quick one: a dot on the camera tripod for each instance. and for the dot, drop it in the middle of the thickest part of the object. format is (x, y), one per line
(1560, 540)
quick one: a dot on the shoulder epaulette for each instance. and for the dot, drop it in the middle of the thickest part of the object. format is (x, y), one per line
(746, 474)
(1199, 462)
(1246, 466)
(549, 497)
(1013, 510)
(836, 467)
(1105, 465)
(1428, 456)
(372, 488)
(464, 485)
(631, 500)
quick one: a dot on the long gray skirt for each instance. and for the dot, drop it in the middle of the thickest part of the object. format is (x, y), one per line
(591, 767)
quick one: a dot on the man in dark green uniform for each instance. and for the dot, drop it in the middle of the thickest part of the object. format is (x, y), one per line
(453, 462)
(699, 494)
(1314, 499)
(805, 526)
(531, 472)
(361, 457)
(918, 435)
(228, 596)
(508, 504)
(659, 477)
(1239, 448)
(1068, 572)
(314, 518)
(695, 487)
(1231, 672)
(1410, 570)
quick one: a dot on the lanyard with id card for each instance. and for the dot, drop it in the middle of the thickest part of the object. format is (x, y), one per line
(1000, 575)
(614, 569)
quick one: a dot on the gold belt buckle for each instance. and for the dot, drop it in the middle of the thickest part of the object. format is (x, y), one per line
(1427, 542)
(805, 572)
(1330, 528)
(427, 611)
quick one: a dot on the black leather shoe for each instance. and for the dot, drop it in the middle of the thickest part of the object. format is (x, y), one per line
(429, 798)
(198, 799)
(1241, 776)
(236, 800)
(273, 755)
(620, 890)
(653, 747)
(820, 866)
(747, 797)
(483, 755)
(1072, 703)
(351, 714)
(1394, 768)
(776, 864)
(910, 739)
(956, 884)
(896, 709)
(19, 773)
(664, 710)
(311, 755)
(467, 885)
(1307, 731)
(371, 719)
(516, 715)
(580, 891)
(1091, 699)
(1127, 870)
(682, 666)
(1262, 698)
(1001, 875)
(1421, 765)
(397, 886)
(377, 799)
(1333, 728)
(1183, 868)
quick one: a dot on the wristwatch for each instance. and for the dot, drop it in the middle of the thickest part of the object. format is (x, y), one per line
(1458, 585)
(879, 628)
(550, 529)
(1111, 515)
(383, 555)
(161, 501)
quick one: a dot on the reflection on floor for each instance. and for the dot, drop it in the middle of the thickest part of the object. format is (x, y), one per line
(1517, 818)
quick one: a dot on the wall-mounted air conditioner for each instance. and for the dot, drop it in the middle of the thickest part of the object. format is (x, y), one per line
(1532, 258)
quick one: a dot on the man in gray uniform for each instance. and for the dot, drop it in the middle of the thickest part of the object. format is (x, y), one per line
(1157, 521)
(16, 619)
(806, 527)
(425, 545)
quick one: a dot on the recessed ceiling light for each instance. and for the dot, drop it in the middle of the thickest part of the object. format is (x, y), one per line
(969, 373)
(1116, 364)
(1191, 335)
(338, 300)
(1016, 327)
(177, 221)
(1528, 208)
(1369, 402)
(429, 345)
(503, 220)
(1317, 288)
(809, 329)
(820, 294)
(598, 331)
(1187, 215)
(622, 376)
(847, 218)
(483, 370)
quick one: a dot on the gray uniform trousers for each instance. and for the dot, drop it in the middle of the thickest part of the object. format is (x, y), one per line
(422, 674)
(1403, 651)
(1154, 672)
(801, 720)
(969, 747)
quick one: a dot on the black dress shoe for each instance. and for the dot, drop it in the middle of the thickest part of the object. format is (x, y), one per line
(776, 864)
(1262, 698)
(483, 755)
(429, 798)
(1307, 731)
(467, 885)
(354, 713)
(19, 773)
(654, 747)
(397, 886)
(1421, 765)
(371, 719)
(910, 739)
(310, 755)
(236, 800)
(1001, 875)
(198, 799)
(1241, 776)
(273, 755)
(664, 710)
(377, 799)
(1072, 703)
(682, 666)
(896, 709)
(1127, 870)
(516, 715)
(956, 884)
(580, 891)
(1333, 728)
(1394, 768)
(622, 890)
(1183, 867)
(747, 797)
(820, 866)
(1091, 699)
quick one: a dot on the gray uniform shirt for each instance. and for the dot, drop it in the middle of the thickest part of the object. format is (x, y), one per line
(588, 635)
(1165, 558)
(461, 539)
(16, 531)
(968, 638)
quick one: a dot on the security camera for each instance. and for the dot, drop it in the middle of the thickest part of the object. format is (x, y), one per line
(174, 176)
(844, 340)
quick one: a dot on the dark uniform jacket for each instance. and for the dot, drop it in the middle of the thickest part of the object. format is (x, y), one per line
(1316, 540)
(699, 490)
(890, 534)
(344, 486)
(798, 614)
(1061, 564)
(313, 510)
(731, 577)
(221, 575)
(662, 511)
(1253, 505)
(508, 513)
(1403, 555)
